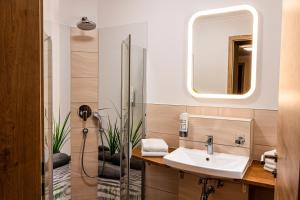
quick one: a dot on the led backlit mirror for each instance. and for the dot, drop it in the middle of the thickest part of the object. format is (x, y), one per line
(222, 51)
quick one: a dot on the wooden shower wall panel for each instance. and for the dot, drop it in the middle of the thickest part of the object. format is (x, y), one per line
(287, 184)
(21, 99)
(163, 122)
(84, 90)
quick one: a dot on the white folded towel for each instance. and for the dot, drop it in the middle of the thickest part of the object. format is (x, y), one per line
(154, 154)
(268, 153)
(154, 145)
(270, 164)
(270, 161)
(268, 169)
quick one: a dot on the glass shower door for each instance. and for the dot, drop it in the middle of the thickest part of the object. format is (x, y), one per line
(47, 150)
(125, 118)
(133, 117)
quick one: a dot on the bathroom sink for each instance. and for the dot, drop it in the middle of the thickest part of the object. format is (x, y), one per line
(217, 164)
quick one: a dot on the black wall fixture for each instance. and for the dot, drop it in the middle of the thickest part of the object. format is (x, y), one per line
(85, 112)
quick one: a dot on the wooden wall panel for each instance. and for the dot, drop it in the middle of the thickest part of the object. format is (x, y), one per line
(90, 163)
(155, 194)
(84, 41)
(91, 141)
(287, 184)
(84, 64)
(21, 99)
(161, 178)
(84, 90)
(265, 127)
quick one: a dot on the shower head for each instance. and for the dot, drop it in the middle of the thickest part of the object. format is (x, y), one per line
(86, 25)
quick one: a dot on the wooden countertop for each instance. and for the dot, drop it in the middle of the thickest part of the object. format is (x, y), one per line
(136, 153)
(255, 174)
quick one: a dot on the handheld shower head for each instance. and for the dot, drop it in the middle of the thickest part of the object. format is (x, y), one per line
(97, 115)
(86, 25)
(99, 118)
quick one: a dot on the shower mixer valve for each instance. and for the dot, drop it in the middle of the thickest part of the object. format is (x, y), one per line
(85, 112)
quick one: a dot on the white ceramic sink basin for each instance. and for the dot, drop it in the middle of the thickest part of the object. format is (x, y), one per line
(198, 161)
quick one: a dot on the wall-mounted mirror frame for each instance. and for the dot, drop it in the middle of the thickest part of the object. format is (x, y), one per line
(225, 10)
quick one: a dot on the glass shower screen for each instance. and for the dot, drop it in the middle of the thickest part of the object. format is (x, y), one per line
(121, 103)
(125, 118)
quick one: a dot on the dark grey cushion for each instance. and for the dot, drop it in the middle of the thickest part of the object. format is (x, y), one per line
(60, 159)
(100, 148)
(136, 164)
(110, 171)
(105, 154)
(115, 159)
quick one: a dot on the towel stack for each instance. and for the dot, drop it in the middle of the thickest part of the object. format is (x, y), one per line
(154, 147)
(268, 159)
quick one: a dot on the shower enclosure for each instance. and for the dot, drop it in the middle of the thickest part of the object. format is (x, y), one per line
(121, 94)
(121, 105)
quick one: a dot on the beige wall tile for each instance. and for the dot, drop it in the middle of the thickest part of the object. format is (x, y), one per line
(84, 64)
(224, 131)
(83, 188)
(90, 164)
(219, 111)
(155, 194)
(265, 127)
(236, 112)
(84, 90)
(86, 41)
(77, 140)
(201, 110)
(164, 118)
(77, 122)
(258, 150)
(171, 139)
(162, 178)
(217, 147)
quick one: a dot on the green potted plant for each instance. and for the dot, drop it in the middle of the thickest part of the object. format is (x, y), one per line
(60, 133)
(60, 136)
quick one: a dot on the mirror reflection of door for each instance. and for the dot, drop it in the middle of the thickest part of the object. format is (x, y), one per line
(239, 65)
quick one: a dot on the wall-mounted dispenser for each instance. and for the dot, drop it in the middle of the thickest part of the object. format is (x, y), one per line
(184, 122)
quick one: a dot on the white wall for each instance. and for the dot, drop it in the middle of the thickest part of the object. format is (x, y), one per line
(167, 39)
(210, 49)
(110, 59)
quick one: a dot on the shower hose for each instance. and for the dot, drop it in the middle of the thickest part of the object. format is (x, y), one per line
(85, 132)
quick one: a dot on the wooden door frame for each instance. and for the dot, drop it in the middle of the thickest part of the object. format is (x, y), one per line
(288, 137)
(232, 40)
(21, 97)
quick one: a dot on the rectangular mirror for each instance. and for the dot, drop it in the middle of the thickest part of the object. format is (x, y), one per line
(222, 48)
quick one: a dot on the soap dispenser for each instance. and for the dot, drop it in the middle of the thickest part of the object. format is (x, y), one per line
(184, 122)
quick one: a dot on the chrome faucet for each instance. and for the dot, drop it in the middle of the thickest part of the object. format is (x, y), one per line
(210, 144)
